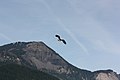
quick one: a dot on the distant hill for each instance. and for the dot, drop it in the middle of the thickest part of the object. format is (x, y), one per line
(38, 56)
(18, 72)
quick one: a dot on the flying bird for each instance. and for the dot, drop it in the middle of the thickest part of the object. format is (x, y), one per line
(59, 39)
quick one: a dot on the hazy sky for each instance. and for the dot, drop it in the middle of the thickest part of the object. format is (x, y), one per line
(90, 27)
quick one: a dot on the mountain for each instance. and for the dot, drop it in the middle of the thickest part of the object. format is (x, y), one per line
(105, 75)
(38, 56)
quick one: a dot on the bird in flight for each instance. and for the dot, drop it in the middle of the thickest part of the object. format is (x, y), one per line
(59, 39)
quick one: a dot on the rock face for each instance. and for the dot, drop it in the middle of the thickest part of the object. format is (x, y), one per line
(39, 56)
(106, 75)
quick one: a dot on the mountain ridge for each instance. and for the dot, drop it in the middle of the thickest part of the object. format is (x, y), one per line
(39, 56)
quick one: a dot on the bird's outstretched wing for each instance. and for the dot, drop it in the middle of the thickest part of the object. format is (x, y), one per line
(57, 36)
(59, 39)
(63, 41)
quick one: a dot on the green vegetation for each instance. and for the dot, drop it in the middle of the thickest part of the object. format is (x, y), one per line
(17, 72)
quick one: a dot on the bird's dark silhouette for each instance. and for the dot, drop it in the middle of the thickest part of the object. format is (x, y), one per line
(59, 39)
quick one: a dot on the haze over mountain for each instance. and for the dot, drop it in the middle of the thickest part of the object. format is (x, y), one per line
(38, 56)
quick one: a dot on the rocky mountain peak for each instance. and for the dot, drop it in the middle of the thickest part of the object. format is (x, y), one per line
(104, 71)
(106, 75)
(38, 46)
(41, 56)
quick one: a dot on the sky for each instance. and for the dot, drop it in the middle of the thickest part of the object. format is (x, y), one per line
(90, 28)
